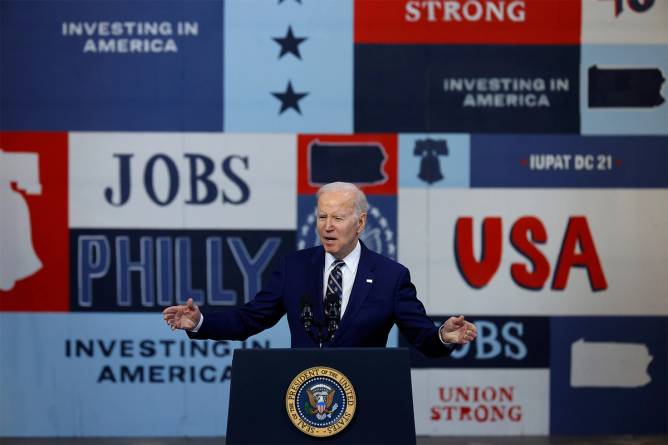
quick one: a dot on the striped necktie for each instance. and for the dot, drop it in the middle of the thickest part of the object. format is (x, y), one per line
(335, 285)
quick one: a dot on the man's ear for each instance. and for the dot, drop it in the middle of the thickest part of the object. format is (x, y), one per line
(361, 223)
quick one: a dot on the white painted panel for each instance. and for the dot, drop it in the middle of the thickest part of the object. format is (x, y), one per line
(251, 183)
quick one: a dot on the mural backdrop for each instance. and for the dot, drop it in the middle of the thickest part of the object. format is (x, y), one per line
(514, 152)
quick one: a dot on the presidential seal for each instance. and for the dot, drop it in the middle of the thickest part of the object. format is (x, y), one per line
(320, 401)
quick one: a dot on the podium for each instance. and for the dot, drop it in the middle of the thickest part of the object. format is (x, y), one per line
(278, 395)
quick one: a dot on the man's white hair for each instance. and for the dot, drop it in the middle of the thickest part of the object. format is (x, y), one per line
(361, 204)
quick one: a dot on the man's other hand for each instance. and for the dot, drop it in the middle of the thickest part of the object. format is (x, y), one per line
(458, 331)
(184, 316)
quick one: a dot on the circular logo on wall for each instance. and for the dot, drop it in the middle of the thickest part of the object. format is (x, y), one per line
(320, 401)
(378, 234)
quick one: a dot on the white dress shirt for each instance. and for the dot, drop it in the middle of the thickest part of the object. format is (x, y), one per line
(348, 272)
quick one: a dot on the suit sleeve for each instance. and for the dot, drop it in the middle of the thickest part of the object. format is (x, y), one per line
(413, 321)
(239, 323)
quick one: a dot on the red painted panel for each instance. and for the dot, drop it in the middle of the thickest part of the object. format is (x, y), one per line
(520, 22)
(34, 246)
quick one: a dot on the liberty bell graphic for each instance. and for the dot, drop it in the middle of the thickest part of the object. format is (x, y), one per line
(429, 150)
(17, 255)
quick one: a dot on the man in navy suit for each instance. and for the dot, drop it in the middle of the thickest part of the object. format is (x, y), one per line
(345, 294)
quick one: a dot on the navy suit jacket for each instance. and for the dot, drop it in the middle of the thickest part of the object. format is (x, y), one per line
(382, 295)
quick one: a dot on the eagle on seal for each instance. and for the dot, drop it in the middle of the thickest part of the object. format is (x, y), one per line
(319, 405)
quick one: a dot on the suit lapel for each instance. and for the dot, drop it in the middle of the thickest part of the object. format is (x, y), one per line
(316, 271)
(361, 287)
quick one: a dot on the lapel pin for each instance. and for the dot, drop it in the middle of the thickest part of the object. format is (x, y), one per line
(369, 280)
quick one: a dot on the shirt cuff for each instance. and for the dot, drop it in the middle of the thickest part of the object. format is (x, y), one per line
(450, 346)
(199, 324)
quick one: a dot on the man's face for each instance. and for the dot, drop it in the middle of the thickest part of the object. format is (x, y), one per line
(338, 226)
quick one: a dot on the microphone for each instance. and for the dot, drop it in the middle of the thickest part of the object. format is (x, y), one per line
(306, 316)
(332, 314)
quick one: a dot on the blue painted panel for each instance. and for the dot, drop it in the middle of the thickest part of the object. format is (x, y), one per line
(502, 342)
(143, 270)
(114, 375)
(434, 160)
(569, 161)
(460, 88)
(380, 233)
(288, 66)
(640, 408)
(623, 89)
(121, 65)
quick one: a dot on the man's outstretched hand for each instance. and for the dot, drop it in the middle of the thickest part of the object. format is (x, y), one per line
(184, 316)
(458, 331)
